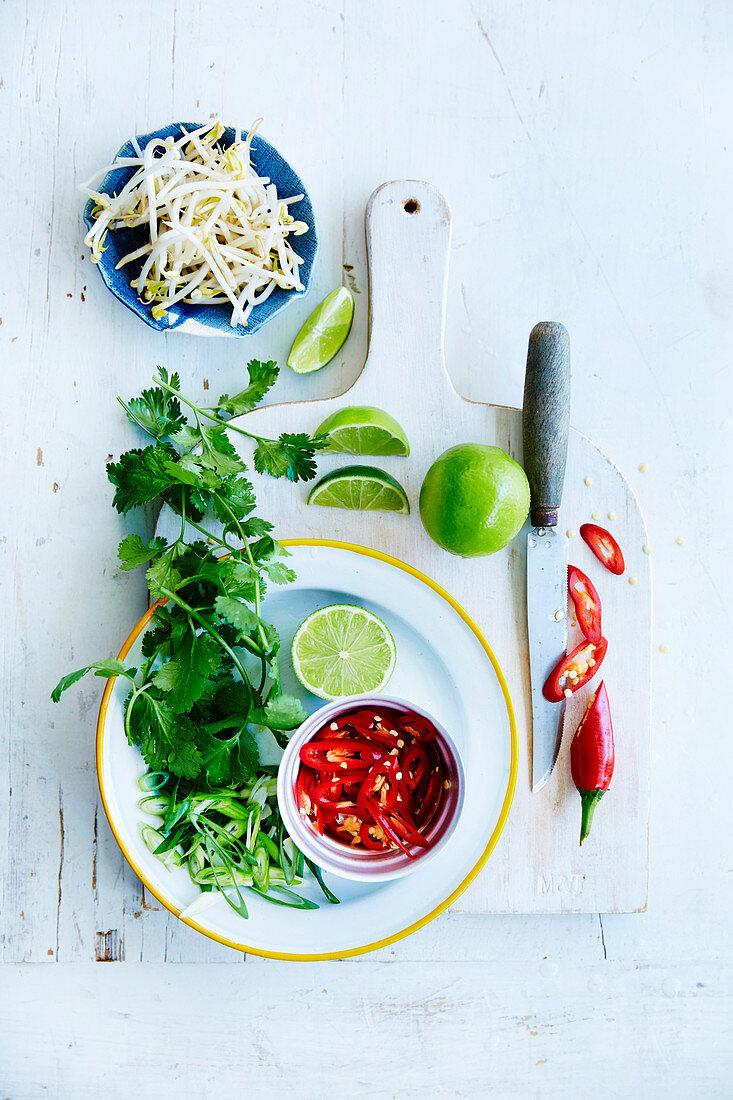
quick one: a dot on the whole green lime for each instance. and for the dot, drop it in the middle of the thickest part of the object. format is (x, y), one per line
(474, 499)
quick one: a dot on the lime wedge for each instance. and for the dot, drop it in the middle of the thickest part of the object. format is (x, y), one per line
(343, 650)
(324, 333)
(361, 488)
(364, 430)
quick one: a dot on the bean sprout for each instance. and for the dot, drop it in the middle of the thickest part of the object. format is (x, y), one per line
(218, 232)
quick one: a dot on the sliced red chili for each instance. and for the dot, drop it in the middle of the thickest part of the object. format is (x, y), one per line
(431, 799)
(303, 786)
(587, 604)
(362, 720)
(328, 798)
(378, 771)
(422, 730)
(604, 546)
(415, 765)
(316, 754)
(407, 830)
(370, 841)
(387, 827)
(574, 670)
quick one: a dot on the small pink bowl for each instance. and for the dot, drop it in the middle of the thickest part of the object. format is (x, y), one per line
(350, 862)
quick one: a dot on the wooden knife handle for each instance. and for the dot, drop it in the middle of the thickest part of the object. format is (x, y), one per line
(546, 419)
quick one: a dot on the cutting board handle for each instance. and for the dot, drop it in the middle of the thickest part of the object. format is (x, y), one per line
(408, 231)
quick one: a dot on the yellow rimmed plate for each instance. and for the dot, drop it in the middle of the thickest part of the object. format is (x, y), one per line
(443, 663)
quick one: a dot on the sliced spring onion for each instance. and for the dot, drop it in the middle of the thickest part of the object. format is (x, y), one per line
(153, 781)
(316, 872)
(261, 871)
(218, 835)
(217, 231)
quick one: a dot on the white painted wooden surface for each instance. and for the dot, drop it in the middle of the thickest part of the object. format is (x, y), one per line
(538, 865)
(585, 152)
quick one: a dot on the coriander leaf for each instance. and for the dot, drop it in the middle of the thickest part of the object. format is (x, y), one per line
(183, 678)
(228, 761)
(254, 527)
(156, 412)
(187, 437)
(166, 739)
(169, 624)
(174, 381)
(163, 574)
(233, 500)
(140, 476)
(262, 377)
(289, 456)
(280, 573)
(265, 549)
(184, 758)
(270, 458)
(196, 563)
(195, 499)
(186, 471)
(108, 668)
(132, 551)
(240, 579)
(284, 712)
(218, 452)
(237, 613)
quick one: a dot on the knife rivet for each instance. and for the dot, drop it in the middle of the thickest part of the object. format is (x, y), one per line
(541, 532)
(531, 542)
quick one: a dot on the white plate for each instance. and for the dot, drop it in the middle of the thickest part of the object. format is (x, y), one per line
(444, 663)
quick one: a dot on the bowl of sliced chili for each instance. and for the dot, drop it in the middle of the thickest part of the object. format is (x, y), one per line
(370, 787)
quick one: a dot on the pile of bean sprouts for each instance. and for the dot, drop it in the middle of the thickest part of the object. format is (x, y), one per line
(218, 232)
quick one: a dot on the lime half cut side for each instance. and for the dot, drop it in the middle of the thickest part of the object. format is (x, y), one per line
(362, 489)
(324, 333)
(343, 650)
(364, 430)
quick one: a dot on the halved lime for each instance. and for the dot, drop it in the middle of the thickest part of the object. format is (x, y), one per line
(324, 333)
(343, 650)
(364, 430)
(361, 488)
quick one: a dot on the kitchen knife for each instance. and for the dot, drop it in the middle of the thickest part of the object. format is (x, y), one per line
(545, 427)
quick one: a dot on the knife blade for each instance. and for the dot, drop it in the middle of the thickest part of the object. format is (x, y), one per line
(545, 430)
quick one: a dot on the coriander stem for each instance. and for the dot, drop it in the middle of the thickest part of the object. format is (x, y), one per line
(212, 633)
(204, 412)
(128, 712)
(243, 537)
(209, 535)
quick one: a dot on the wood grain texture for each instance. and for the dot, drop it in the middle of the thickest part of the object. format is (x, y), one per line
(537, 865)
(586, 185)
(492, 1028)
(546, 419)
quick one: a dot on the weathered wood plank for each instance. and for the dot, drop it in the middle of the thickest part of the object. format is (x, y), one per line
(498, 1028)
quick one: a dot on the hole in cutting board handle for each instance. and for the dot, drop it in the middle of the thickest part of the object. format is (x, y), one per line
(411, 206)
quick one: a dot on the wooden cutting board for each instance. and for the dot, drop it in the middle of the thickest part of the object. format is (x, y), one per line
(538, 865)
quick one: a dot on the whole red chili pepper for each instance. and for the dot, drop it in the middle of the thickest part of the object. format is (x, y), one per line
(592, 756)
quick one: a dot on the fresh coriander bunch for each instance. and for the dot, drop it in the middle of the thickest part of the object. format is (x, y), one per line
(196, 693)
